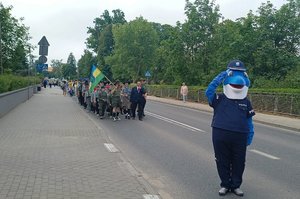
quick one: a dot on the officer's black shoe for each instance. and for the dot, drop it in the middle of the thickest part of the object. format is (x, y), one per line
(140, 118)
(238, 192)
(223, 191)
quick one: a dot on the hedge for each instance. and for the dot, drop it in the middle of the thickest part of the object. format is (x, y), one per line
(12, 82)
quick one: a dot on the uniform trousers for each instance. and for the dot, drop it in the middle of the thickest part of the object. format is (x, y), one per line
(230, 154)
(140, 109)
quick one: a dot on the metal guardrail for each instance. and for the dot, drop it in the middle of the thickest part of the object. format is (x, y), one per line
(284, 104)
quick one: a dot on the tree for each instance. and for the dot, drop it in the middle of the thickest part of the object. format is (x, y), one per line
(202, 18)
(85, 63)
(69, 69)
(278, 38)
(170, 61)
(135, 45)
(100, 24)
(57, 68)
(14, 41)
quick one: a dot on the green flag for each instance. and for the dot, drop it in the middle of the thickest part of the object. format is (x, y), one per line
(95, 78)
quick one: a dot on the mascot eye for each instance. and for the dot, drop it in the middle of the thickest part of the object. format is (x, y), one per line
(245, 74)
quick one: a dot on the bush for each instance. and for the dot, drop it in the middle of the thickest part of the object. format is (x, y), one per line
(11, 82)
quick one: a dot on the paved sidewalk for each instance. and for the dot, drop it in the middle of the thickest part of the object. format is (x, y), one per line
(49, 148)
(285, 122)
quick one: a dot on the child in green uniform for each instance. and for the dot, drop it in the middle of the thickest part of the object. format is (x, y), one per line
(116, 101)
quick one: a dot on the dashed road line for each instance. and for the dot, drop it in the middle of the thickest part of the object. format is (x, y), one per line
(175, 122)
(265, 154)
(147, 196)
(111, 148)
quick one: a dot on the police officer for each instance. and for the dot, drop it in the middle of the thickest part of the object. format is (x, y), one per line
(232, 127)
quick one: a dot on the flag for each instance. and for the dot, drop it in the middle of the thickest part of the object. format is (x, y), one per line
(95, 77)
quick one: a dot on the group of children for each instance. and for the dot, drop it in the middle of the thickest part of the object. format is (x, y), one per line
(109, 99)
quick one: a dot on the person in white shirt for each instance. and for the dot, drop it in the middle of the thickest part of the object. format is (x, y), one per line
(184, 92)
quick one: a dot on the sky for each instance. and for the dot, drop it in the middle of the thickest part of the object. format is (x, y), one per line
(65, 22)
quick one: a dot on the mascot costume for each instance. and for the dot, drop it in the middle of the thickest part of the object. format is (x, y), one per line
(232, 126)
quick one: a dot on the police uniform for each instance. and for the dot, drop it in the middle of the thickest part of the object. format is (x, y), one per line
(232, 130)
(230, 134)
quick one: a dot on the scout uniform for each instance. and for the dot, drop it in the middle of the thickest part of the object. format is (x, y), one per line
(102, 101)
(125, 94)
(116, 101)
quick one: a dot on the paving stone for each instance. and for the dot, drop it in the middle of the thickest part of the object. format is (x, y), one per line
(50, 149)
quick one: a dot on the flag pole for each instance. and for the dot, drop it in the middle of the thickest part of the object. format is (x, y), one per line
(108, 79)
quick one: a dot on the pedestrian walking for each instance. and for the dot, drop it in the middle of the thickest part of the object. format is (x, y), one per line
(45, 83)
(64, 87)
(125, 96)
(144, 100)
(116, 101)
(102, 101)
(137, 98)
(232, 127)
(87, 97)
(184, 92)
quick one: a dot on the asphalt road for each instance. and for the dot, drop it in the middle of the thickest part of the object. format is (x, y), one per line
(172, 149)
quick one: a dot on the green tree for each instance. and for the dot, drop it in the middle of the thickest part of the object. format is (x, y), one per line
(101, 39)
(14, 41)
(85, 63)
(134, 52)
(69, 70)
(57, 68)
(202, 18)
(170, 61)
(277, 50)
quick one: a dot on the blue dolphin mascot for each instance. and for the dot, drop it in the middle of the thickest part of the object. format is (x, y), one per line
(232, 126)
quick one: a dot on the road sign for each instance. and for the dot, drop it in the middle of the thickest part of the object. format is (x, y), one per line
(147, 74)
(43, 43)
(41, 67)
(42, 59)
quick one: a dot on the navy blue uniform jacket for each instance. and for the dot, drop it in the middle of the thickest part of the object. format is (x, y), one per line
(137, 96)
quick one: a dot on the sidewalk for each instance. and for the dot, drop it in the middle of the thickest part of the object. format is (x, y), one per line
(49, 148)
(280, 121)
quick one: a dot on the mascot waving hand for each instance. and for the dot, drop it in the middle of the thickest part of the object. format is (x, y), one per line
(232, 126)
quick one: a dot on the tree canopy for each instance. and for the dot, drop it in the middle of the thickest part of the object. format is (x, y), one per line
(198, 49)
(14, 47)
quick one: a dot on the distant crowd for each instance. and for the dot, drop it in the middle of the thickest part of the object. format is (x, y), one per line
(109, 100)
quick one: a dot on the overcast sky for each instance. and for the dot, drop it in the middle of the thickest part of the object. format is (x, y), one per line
(65, 22)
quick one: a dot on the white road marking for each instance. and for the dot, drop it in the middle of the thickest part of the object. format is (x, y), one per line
(265, 154)
(111, 147)
(147, 196)
(175, 122)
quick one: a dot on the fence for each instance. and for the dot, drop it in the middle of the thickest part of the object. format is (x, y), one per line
(285, 104)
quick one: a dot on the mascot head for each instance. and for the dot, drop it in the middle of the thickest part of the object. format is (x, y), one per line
(236, 83)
